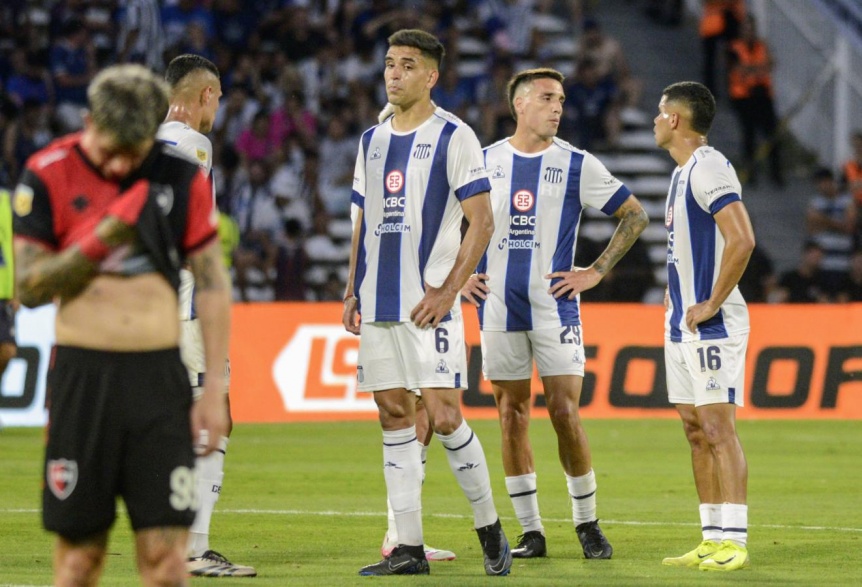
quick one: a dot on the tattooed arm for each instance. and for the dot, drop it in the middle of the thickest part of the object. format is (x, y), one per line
(633, 220)
(42, 274)
(212, 303)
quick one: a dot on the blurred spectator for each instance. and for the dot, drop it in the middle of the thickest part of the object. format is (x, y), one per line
(335, 177)
(29, 80)
(228, 231)
(591, 117)
(299, 40)
(804, 284)
(73, 65)
(141, 38)
(453, 93)
(235, 25)
(830, 221)
(750, 90)
(509, 23)
(628, 281)
(497, 121)
(851, 289)
(24, 136)
(610, 61)
(253, 207)
(290, 264)
(292, 118)
(258, 142)
(719, 26)
(176, 18)
(852, 170)
(332, 289)
(759, 279)
(236, 115)
(669, 12)
(195, 41)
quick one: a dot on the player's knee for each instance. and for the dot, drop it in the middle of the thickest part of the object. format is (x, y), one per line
(79, 566)
(513, 418)
(167, 571)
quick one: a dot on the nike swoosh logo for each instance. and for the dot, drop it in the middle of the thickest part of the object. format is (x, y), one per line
(727, 561)
(705, 555)
(398, 566)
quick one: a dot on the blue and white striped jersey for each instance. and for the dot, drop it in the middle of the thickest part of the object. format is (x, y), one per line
(537, 200)
(699, 190)
(410, 186)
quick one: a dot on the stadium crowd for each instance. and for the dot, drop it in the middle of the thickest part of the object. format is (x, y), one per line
(300, 85)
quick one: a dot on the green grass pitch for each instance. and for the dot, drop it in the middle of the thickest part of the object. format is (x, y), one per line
(304, 503)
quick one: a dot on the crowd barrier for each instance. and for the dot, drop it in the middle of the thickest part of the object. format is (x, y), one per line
(295, 362)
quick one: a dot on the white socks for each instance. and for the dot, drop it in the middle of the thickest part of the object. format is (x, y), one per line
(522, 491)
(582, 490)
(402, 470)
(391, 530)
(467, 461)
(734, 523)
(710, 521)
(210, 473)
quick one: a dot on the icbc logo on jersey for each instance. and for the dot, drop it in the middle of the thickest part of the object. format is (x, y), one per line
(394, 181)
(523, 200)
(316, 372)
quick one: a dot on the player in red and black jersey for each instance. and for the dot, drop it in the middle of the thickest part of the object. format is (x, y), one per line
(104, 219)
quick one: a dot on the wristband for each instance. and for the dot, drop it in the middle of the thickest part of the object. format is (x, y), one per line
(94, 248)
(349, 297)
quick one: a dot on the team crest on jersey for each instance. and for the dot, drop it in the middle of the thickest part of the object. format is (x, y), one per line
(394, 181)
(553, 175)
(712, 384)
(523, 200)
(22, 201)
(442, 367)
(375, 154)
(62, 477)
(422, 151)
(360, 374)
(498, 173)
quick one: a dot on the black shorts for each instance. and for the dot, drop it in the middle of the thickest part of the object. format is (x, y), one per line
(118, 426)
(7, 322)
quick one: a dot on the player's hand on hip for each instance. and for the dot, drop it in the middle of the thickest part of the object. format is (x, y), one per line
(209, 413)
(476, 288)
(699, 313)
(350, 316)
(432, 308)
(571, 283)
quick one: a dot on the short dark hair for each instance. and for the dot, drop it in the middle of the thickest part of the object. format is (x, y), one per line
(697, 98)
(528, 76)
(823, 173)
(429, 45)
(182, 65)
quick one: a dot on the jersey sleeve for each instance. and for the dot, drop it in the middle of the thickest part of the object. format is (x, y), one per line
(197, 149)
(357, 196)
(202, 220)
(33, 214)
(600, 189)
(466, 164)
(714, 184)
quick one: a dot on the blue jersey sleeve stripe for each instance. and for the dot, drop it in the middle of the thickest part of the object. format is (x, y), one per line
(356, 198)
(476, 186)
(616, 200)
(436, 199)
(723, 201)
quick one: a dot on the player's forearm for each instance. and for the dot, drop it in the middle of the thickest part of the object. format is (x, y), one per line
(41, 275)
(212, 304)
(633, 221)
(475, 242)
(737, 251)
(354, 252)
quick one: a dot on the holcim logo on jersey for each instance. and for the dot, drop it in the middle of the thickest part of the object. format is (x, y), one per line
(316, 371)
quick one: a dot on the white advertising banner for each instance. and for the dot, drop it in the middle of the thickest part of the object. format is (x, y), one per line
(22, 393)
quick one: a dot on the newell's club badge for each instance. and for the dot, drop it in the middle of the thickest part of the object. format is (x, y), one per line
(62, 477)
(22, 201)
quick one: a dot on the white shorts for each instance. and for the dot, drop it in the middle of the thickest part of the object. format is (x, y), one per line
(508, 356)
(395, 355)
(706, 372)
(191, 338)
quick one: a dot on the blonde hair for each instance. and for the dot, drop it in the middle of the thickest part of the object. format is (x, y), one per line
(129, 102)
